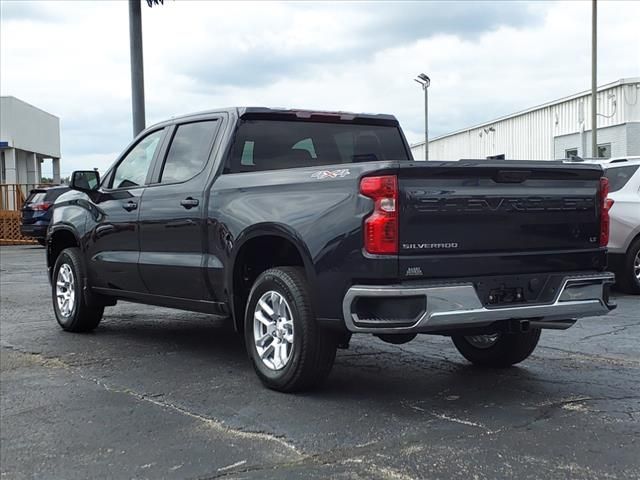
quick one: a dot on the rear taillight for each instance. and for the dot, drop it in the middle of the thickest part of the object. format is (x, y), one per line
(605, 205)
(381, 227)
(43, 206)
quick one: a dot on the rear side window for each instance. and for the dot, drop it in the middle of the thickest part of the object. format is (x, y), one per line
(275, 144)
(189, 151)
(619, 176)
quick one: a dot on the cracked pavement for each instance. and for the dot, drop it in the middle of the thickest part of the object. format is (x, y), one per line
(159, 393)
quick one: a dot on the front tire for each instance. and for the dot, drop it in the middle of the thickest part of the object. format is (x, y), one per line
(629, 274)
(498, 350)
(287, 348)
(68, 285)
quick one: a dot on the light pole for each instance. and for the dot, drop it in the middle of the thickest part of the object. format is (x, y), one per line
(137, 66)
(424, 82)
(594, 78)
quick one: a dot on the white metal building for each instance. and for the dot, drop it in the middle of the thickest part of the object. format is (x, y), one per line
(555, 130)
(28, 136)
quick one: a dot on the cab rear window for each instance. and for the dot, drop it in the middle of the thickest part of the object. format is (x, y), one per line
(274, 144)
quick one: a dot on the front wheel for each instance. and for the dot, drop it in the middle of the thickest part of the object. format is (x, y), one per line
(68, 282)
(498, 349)
(288, 349)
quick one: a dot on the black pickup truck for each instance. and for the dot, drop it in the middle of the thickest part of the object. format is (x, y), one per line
(303, 228)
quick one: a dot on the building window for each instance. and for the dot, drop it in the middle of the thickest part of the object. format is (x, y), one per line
(604, 150)
(572, 152)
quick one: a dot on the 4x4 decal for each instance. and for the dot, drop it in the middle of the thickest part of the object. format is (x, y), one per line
(322, 174)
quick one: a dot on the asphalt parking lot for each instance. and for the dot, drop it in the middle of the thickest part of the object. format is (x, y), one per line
(158, 393)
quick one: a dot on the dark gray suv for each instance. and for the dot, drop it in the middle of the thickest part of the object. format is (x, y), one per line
(36, 212)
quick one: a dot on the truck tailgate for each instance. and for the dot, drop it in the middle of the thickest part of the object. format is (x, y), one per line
(451, 210)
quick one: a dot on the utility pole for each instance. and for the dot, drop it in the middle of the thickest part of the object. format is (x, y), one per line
(137, 68)
(594, 78)
(425, 81)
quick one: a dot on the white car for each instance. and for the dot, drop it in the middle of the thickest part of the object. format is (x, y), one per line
(624, 237)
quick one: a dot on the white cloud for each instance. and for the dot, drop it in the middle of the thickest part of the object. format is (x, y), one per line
(485, 60)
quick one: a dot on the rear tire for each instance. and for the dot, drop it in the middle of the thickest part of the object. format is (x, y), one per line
(68, 284)
(287, 348)
(505, 350)
(628, 276)
(41, 241)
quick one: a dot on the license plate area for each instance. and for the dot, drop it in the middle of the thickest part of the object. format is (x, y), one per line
(500, 291)
(534, 288)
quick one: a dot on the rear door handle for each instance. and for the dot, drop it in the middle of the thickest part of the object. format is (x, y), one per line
(189, 202)
(129, 206)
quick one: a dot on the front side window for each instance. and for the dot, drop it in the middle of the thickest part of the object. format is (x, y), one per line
(277, 144)
(306, 144)
(189, 151)
(133, 169)
(247, 153)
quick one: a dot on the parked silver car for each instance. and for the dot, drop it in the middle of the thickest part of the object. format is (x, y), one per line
(624, 238)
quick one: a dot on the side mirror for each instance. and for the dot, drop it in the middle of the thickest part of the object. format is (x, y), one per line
(85, 180)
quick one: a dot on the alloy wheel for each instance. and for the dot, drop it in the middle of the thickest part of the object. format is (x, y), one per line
(65, 290)
(273, 330)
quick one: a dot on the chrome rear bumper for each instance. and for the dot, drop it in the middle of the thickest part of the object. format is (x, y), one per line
(455, 306)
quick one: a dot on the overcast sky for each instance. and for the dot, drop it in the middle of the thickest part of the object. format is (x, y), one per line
(485, 59)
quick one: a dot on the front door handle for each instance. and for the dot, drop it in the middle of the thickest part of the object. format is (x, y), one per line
(129, 206)
(189, 202)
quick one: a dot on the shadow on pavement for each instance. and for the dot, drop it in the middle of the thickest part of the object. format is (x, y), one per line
(371, 371)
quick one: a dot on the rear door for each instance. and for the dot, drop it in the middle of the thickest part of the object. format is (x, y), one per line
(172, 220)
